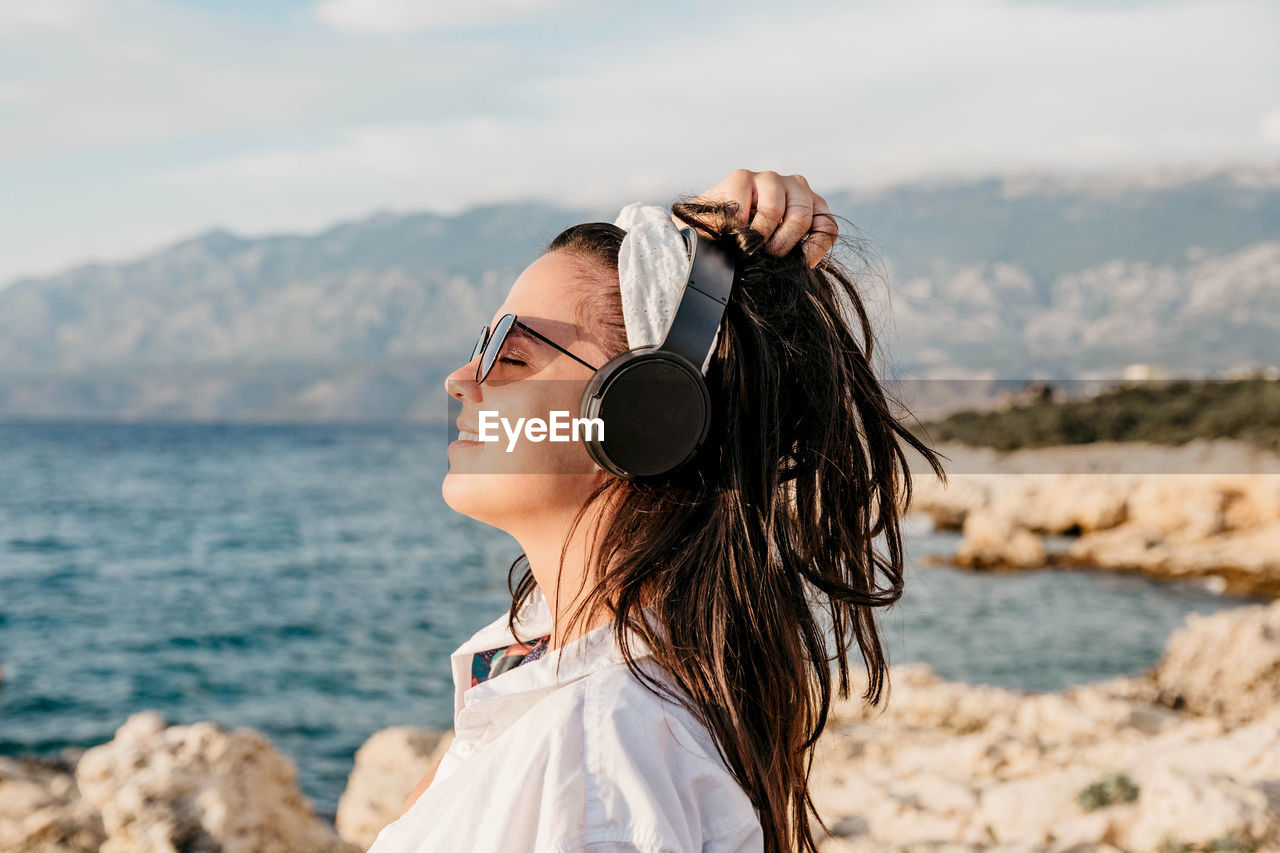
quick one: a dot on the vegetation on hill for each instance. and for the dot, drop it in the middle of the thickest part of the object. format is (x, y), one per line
(1165, 412)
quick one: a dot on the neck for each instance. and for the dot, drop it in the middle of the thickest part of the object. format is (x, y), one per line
(564, 586)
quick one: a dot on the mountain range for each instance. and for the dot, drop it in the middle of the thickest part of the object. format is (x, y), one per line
(1007, 277)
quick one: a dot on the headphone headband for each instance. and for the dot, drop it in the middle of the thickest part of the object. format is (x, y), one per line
(695, 328)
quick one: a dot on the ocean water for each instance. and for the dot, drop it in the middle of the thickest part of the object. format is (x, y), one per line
(310, 582)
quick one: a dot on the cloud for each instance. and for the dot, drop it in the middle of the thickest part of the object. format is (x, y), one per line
(26, 16)
(156, 78)
(160, 119)
(404, 16)
(858, 93)
(1271, 126)
(447, 166)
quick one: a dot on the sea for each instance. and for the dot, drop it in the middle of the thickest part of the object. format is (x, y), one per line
(309, 582)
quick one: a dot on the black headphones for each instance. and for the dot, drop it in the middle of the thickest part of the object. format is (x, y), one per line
(654, 400)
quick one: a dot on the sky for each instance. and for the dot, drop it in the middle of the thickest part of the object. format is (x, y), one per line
(129, 124)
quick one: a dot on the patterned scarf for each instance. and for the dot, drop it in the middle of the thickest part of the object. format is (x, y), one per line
(485, 665)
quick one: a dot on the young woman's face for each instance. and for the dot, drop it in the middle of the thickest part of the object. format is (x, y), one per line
(531, 379)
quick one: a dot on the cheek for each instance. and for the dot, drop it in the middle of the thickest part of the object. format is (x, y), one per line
(495, 486)
(526, 454)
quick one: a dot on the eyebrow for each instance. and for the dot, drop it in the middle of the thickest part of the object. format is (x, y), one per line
(520, 334)
(528, 333)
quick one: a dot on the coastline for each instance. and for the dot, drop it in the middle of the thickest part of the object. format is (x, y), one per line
(1207, 511)
(1185, 756)
(1182, 757)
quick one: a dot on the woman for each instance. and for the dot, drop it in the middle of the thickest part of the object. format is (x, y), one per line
(663, 674)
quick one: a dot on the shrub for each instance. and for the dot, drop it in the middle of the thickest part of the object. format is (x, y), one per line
(1107, 791)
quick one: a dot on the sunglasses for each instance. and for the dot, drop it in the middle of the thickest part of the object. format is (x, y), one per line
(489, 346)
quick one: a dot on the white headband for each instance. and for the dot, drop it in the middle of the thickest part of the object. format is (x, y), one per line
(653, 266)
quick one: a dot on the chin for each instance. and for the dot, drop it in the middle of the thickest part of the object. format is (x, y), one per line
(491, 499)
(464, 493)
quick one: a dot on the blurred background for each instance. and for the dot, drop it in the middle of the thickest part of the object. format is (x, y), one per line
(242, 243)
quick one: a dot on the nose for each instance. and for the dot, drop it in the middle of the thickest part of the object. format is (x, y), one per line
(462, 382)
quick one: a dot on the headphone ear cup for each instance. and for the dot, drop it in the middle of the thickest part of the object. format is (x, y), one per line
(656, 412)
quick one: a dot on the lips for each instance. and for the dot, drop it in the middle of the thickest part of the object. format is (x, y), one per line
(466, 433)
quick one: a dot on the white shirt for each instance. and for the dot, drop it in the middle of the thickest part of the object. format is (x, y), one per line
(586, 759)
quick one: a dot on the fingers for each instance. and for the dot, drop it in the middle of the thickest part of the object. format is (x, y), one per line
(797, 217)
(822, 232)
(771, 204)
(782, 209)
(738, 187)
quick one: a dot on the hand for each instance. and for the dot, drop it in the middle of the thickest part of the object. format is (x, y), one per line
(785, 211)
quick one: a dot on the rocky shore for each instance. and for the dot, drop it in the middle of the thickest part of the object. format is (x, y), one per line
(1207, 511)
(1185, 757)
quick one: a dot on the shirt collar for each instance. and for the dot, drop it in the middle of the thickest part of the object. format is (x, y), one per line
(578, 658)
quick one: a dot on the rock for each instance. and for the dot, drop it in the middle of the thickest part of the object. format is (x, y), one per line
(1114, 706)
(1098, 767)
(922, 809)
(1188, 505)
(1200, 808)
(1084, 833)
(388, 766)
(994, 540)
(1206, 510)
(921, 699)
(1025, 810)
(41, 811)
(948, 506)
(1226, 665)
(198, 788)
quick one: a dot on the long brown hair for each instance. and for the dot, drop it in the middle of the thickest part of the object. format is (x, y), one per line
(758, 557)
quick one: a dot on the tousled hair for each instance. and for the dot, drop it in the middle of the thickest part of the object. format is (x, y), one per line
(758, 558)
